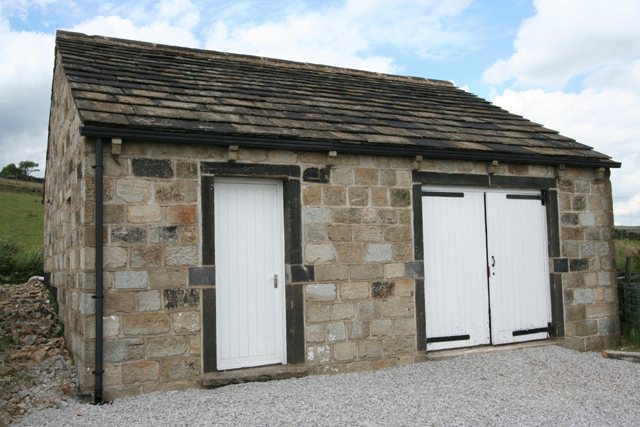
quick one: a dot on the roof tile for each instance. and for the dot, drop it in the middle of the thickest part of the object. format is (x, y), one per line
(128, 84)
(109, 107)
(171, 113)
(95, 95)
(154, 122)
(104, 118)
(124, 99)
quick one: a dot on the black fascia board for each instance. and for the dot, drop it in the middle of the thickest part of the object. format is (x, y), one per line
(341, 147)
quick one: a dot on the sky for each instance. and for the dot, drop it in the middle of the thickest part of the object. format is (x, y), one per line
(572, 65)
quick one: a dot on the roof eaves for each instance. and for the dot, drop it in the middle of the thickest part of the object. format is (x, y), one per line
(280, 141)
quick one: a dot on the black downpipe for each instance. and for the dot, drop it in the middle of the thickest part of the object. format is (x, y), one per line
(99, 296)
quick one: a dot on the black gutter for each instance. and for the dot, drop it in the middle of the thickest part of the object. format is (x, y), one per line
(351, 148)
(99, 296)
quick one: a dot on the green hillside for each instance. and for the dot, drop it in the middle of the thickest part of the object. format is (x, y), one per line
(22, 213)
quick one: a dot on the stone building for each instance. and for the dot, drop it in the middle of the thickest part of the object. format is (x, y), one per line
(217, 218)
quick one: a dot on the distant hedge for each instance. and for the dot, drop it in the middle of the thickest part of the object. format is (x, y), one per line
(26, 178)
(626, 233)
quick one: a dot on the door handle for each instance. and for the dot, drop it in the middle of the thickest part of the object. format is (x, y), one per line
(493, 261)
(275, 280)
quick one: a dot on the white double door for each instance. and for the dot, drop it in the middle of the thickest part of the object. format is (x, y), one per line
(250, 280)
(486, 267)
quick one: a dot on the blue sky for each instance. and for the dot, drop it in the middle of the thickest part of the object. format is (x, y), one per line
(573, 65)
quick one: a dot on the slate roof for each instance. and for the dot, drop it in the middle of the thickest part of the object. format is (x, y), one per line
(140, 90)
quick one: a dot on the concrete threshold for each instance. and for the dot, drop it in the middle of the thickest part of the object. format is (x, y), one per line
(258, 374)
(622, 355)
(439, 355)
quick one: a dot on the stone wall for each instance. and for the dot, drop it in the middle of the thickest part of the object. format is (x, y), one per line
(152, 318)
(360, 315)
(590, 289)
(357, 233)
(68, 213)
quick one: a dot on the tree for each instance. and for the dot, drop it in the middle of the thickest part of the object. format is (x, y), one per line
(12, 169)
(28, 166)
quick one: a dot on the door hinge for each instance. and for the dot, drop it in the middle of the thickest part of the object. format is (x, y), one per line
(447, 339)
(275, 280)
(548, 329)
(527, 197)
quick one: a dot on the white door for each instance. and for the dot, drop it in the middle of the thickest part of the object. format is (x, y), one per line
(519, 267)
(250, 297)
(456, 309)
(486, 267)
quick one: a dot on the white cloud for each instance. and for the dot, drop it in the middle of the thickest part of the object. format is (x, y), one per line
(345, 36)
(629, 210)
(608, 120)
(306, 39)
(183, 12)
(170, 22)
(28, 145)
(567, 38)
(427, 28)
(622, 73)
(21, 7)
(157, 32)
(25, 94)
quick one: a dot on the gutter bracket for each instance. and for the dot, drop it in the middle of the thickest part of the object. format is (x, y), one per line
(116, 146)
(331, 160)
(493, 167)
(416, 163)
(233, 153)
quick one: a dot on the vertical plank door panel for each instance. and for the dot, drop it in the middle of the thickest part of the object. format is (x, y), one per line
(249, 247)
(456, 295)
(519, 268)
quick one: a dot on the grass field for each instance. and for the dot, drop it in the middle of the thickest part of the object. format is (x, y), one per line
(22, 184)
(22, 217)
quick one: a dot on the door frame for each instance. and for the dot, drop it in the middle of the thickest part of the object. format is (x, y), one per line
(295, 271)
(550, 196)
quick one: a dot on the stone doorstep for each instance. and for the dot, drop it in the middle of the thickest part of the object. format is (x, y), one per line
(621, 355)
(258, 374)
(438, 355)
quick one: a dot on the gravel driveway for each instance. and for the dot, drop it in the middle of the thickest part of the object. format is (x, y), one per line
(538, 386)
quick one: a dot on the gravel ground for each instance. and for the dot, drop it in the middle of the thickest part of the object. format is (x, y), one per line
(539, 386)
